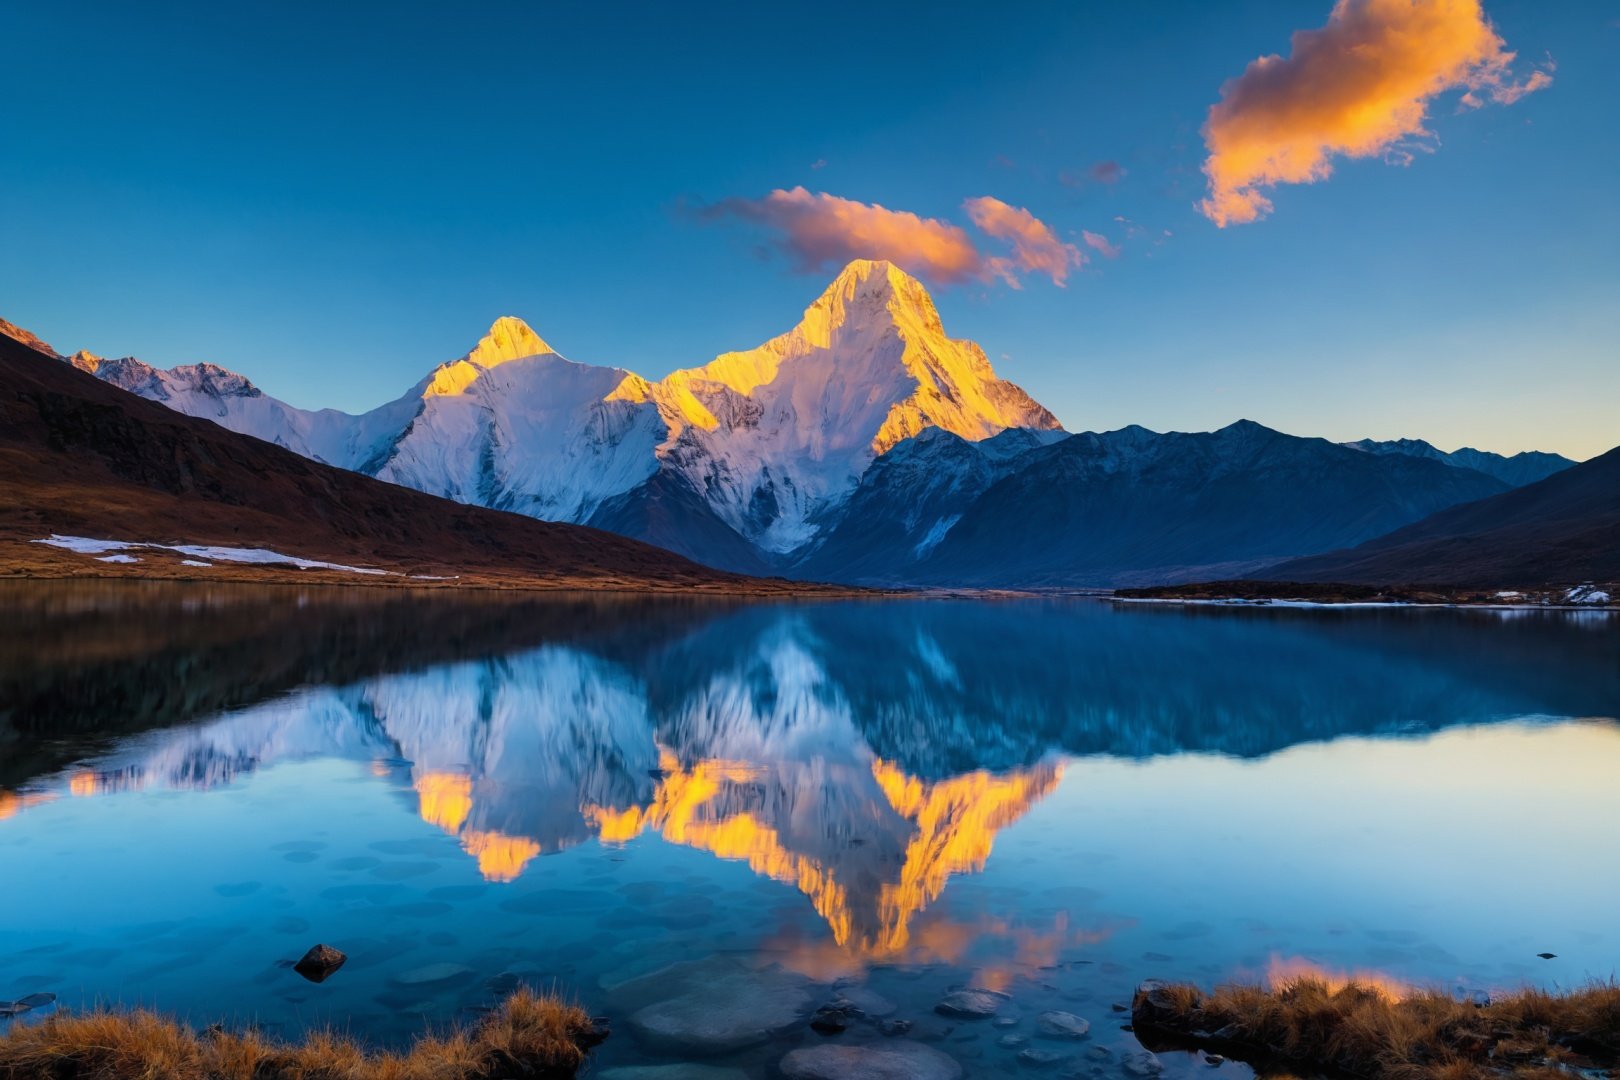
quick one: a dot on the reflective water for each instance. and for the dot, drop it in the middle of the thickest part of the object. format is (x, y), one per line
(884, 800)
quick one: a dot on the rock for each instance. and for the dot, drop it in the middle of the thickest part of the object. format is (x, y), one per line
(1117, 1007)
(1005, 1021)
(35, 1001)
(868, 1001)
(830, 1019)
(1213, 1060)
(1154, 1003)
(319, 963)
(1099, 1053)
(433, 974)
(1547, 955)
(1143, 1063)
(715, 1007)
(894, 1027)
(885, 1061)
(970, 1004)
(1012, 1042)
(1062, 1025)
(1040, 1059)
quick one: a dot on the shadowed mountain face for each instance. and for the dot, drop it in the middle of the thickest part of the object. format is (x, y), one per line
(1560, 530)
(1124, 507)
(864, 753)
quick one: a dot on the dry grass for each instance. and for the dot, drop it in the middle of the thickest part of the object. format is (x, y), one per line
(1329, 1027)
(529, 1035)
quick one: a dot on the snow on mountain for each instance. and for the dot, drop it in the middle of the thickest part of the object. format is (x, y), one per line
(765, 443)
(778, 435)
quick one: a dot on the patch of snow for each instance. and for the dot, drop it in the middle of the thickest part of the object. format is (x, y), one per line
(256, 556)
(118, 558)
(1586, 594)
(936, 533)
(84, 545)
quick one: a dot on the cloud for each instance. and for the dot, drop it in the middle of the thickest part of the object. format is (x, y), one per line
(1108, 172)
(1358, 87)
(1099, 243)
(817, 230)
(1036, 249)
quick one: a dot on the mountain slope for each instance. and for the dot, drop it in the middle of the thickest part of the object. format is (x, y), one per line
(80, 457)
(1136, 507)
(739, 461)
(1516, 471)
(1560, 530)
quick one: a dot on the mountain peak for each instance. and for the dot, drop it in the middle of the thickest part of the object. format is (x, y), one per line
(509, 338)
(873, 285)
(17, 333)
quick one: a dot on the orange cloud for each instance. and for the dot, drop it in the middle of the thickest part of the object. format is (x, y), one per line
(1358, 87)
(1099, 243)
(1036, 248)
(818, 229)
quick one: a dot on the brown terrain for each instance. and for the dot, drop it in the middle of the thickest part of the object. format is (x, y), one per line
(81, 458)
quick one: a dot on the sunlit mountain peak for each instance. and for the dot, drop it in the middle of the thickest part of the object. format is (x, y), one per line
(509, 338)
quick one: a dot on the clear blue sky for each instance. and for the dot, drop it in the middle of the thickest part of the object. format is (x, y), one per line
(332, 201)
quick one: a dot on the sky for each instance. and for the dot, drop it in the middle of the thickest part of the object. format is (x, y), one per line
(1374, 218)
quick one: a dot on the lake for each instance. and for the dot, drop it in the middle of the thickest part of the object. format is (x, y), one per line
(707, 819)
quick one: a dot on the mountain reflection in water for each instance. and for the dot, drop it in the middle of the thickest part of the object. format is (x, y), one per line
(861, 752)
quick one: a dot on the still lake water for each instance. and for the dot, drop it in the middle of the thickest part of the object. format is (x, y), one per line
(788, 802)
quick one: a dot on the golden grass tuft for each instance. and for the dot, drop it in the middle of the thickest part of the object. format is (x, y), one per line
(1337, 1028)
(530, 1035)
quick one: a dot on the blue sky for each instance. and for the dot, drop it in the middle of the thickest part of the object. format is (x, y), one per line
(331, 202)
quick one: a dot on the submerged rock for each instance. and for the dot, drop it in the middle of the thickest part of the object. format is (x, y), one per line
(683, 1071)
(1143, 1063)
(1062, 1025)
(1041, 1059)
(713, 1007)
(432, 974)
(970, 1004)
(319, 963)
(885, 1061)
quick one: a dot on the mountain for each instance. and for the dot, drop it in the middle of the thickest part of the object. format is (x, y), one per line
(83, 458)
(739, 462)
(1124, 507)
(1516, 471)
(1561, 530)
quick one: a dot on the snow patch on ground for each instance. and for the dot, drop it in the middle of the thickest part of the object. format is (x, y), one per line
(118, 558)
(256, 556)
(936, 533)
(1586, 594)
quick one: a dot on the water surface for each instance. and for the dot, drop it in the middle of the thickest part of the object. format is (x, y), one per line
(885, 800)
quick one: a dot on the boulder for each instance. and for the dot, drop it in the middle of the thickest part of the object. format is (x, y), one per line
(714, 1007)
(319, 963)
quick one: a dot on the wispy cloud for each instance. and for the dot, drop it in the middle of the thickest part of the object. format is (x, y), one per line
(1100, 244)
(1358, 87)
(1036, 248)
(817, 229)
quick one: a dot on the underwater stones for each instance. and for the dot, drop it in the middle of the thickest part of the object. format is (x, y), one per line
(884, 1061)
(1062, 1025)
(1013, 1042)
(970, 1004)
(714, 1006)
(1037, 1058)
(1142, 1063)
(319, 963)
(894, 1028)
(868, 1001)
(681, 1071)
(434, 975)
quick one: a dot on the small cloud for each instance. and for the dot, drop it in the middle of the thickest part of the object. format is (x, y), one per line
(818, 164)
(1099, 243)
(1108, 172)
(818, 229)
(1358, 87)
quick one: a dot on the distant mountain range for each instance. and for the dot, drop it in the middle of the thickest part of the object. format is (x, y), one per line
(1563, 529)
(863, 446)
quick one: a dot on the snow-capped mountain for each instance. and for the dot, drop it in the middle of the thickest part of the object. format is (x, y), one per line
(739, 462)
